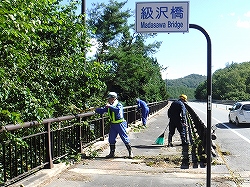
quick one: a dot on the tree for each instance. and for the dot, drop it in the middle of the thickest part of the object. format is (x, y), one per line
(41, 66)
(230, 83)
(107, 22)
(134, 73)
(201, 91)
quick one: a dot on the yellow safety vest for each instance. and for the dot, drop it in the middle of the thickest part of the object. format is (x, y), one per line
(112, 117)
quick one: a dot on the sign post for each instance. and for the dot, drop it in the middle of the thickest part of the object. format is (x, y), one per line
(159, 17)
(209, 100)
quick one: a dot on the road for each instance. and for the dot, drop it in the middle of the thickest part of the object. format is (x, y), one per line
(232, 142)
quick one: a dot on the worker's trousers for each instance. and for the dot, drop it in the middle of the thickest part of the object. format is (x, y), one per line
(120, 129)
(144, 113)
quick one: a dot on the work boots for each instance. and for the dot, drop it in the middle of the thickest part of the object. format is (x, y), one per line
(170, 144)
(184, 140)
(112, 151)
(130, 154)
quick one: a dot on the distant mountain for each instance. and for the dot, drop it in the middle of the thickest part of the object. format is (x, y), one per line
(190, 81)
(186, 85)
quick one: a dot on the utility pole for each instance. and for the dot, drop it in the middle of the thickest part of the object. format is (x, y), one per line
(83, 12)
(84, 22)
(83, 7)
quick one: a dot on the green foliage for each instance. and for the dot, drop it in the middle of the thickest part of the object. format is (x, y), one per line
(42, 64)
(174, 92)
(72, 157)
(12, 138)
(190, 81)
(201, 91)
(230, 83)
(92, 152)
(133, 72)
(186, 85)
(43, 69)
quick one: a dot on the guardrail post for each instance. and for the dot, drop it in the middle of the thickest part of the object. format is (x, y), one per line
(48, 147)
(102, 129)
(79, 135)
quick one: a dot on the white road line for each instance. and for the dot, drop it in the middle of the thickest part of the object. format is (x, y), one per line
(243, 137)
(235, 132)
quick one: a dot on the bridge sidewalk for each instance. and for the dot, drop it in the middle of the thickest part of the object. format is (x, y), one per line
(152, 165)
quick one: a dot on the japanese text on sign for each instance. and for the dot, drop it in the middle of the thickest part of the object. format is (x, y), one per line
(162, 17)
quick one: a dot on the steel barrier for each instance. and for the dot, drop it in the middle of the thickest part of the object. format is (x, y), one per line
(197, 132)
(28, 147)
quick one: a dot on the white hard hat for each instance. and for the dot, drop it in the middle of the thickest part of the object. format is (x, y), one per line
(112, 95)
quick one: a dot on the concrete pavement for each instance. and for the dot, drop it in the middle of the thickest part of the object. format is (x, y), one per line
(152, 165)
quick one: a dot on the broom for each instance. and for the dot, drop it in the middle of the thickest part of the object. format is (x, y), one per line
(161, 138)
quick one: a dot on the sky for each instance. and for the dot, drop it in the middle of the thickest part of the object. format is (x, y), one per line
(227, 23)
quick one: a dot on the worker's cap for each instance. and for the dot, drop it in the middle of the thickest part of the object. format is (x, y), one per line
(183, 97)
(112, 95)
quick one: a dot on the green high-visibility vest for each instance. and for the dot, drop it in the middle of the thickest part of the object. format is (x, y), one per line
(112, 117)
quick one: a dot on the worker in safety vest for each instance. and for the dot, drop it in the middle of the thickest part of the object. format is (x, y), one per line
(118, 124)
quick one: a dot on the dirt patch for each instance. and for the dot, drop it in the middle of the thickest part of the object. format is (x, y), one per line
(161, 161)
(72, 176)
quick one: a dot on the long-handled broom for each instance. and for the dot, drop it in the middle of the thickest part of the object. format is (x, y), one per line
(161, 138)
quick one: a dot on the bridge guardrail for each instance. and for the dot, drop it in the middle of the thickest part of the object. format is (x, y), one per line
(198, 131)
(29, 147)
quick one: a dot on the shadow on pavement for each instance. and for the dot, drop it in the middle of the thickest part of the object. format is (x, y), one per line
(154, 146)
(231, 125)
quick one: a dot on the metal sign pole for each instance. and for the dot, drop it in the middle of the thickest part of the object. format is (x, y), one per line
(83, 12)
(209, 100)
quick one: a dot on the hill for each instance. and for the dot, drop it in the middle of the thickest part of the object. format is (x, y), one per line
(186, 85)
(229, 83)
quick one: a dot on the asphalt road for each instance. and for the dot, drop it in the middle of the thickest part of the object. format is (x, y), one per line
(232, 141)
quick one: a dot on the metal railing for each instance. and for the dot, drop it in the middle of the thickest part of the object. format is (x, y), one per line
(198, 136)
(29, 147)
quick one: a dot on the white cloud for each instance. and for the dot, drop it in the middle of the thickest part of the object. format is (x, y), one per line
(247, 14)
(232, 14)
(243, 24)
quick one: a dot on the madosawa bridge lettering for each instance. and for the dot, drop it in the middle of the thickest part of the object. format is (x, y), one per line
(153, 25)
(170, 24)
